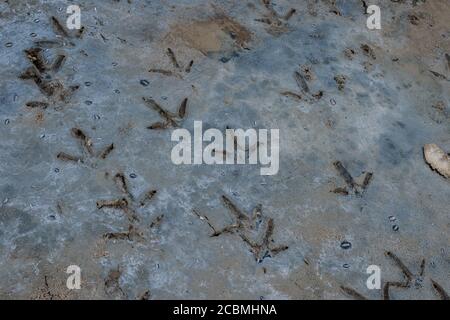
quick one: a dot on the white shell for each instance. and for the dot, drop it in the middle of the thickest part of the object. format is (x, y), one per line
(437, 159)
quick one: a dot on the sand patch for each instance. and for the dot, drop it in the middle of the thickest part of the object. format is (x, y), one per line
(217, 34)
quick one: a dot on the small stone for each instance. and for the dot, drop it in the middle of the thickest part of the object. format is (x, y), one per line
(145, 83)
(346, 266)
(346, 245)
(42, 136)
(88, 84)
(37, 20)
(438, 159)
(395, 228)
(333, 102)
(392, 219)
(7, 121)
(56, 170)
(418, 283)
(133, 176)
(88, 102)
(9, 44)
(117, 91)
(33, 35)
(96, 117)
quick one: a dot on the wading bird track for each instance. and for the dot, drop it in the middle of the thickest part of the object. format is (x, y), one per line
(255, 230)
(352, 187)
(129, 205)
(43, 73)
(410, 279)
(302, 77)
(178, 71)
(171, 120)
(89, 155)
(276, 23)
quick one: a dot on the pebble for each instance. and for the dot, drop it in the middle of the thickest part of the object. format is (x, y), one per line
(418, 283)
(33, 35)
(7, 121)
(133, 176)
(88, 84)
(96, 117)
(9, 44)
(56, 170)
(346, 245)
(392, 218)
(145, 83)
(395, 227)
(88, 102)
(346, 266)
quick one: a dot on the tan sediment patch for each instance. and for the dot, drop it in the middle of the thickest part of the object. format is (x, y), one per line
(317, 233)
(305, 283)
(433, 23)
(426, 33)
(217, 34)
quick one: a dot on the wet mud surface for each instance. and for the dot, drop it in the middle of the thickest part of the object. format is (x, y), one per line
(86, 177)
